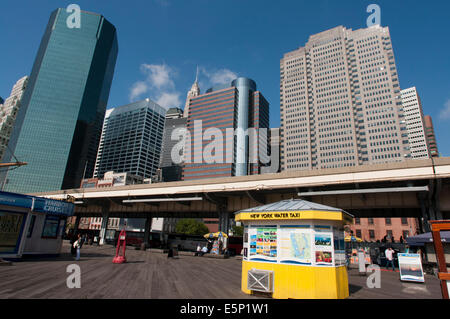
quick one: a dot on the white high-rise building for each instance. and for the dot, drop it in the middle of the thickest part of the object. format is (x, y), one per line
(8, 113)
(340, 101)
(414, 117)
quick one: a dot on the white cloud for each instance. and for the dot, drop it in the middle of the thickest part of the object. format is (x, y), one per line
(223, 76)
(158, 75)
(216, 77)
(168, 100)
(137, 90)
(158, 84)
(445, 113)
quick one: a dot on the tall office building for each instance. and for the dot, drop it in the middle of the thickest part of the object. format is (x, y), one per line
(171, 171)
(131, 139)
(415, 125)
(431, 137)
(340, 101)
(237, 107)
(59, 124)
(8, 113)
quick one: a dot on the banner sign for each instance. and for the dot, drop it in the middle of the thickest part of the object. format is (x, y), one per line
(53, 207)
(37, 204)
(410, 267)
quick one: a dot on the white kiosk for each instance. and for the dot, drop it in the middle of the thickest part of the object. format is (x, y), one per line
(31, 225)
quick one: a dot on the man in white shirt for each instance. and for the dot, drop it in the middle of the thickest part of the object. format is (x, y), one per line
(204, 250)
(389, 253)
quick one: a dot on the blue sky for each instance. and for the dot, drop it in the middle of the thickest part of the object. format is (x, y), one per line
(162, 41)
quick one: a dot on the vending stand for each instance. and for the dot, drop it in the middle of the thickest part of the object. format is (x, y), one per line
(31, 225)
(295, 249)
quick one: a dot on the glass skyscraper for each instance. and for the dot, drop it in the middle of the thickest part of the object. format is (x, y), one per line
(58, 127)
(131, 140)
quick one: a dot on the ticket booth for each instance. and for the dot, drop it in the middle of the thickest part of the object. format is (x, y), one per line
(295, 249)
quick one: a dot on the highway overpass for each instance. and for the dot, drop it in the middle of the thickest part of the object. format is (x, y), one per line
(415, 188)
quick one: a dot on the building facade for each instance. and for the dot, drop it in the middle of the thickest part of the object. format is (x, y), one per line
(131, 139)
(170, 171)
(431, 136)
(340, 102)
(58, 126)
(377, 229)
(8, 113)
(412, 107)
(222, 117)
(111, 179)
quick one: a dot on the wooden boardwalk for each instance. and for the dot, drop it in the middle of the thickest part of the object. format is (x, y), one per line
(153, 275)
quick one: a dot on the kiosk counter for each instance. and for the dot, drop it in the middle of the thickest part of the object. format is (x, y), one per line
(295, 249)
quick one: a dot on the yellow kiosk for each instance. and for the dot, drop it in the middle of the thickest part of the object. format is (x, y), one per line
(295, 249)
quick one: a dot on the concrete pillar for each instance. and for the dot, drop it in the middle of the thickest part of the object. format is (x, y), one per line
(148, 228)
(77, 224)
(105, 220)
(425, 226)
(224, 219)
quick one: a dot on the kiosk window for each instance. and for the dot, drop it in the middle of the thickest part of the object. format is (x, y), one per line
(50, 229)
(11, 227)
(30, 228)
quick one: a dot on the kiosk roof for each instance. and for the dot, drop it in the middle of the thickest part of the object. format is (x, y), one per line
(294, 209)
(290, 205)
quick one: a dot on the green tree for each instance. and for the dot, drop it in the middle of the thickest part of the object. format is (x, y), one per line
(238, 230)
(191, 227)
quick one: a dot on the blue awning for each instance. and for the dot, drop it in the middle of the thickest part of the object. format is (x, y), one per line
(422, 239)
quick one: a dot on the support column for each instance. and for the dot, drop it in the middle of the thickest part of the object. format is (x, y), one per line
(424, 225)
(148, 228)
(105, 220)
(77, 224)
(224, 219)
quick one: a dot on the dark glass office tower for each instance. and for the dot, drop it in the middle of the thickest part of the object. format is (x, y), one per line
(170, 171)
(59, 125)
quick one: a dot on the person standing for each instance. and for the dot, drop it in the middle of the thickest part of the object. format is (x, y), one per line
(199, 249)
(204, 250)
(77, 245)
(389, 253)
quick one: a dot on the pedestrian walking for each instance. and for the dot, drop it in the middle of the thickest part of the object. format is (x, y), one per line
(389, 253)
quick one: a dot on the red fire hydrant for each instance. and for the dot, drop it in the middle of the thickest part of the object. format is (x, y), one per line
(122, 241)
